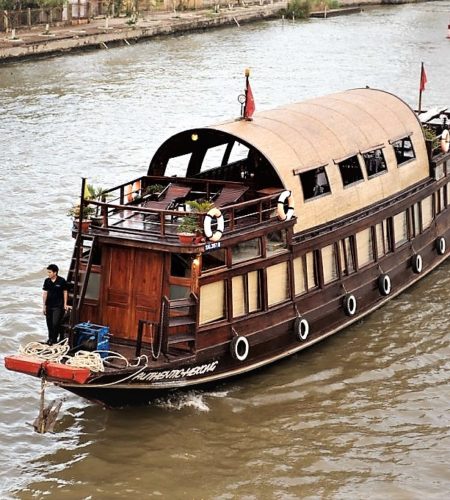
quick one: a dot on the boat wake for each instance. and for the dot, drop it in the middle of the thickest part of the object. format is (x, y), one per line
(192, 399)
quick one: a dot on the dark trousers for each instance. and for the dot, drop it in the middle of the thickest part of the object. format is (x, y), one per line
(54, 318)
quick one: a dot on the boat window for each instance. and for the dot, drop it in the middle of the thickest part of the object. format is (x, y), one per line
(329, 264)
(277, 283)
(375, 162)
(350, 170)
(212, 302)
(275, 242)
(299, 276)
(238, 152)
(180, 265)
(314, 183)
(213, 157)
(404, 150)
(347, 253)
(400, 229)
(179, 292)
(246, 250)
(364, 247)
(383, 239)
(427, 212)
(415, 210)
(93, 286)
(177, 165)
(213, 259)
(440, 200)
(311, 271)
(246, 294)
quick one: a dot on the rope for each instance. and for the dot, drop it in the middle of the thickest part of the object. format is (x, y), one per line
(46, 352)
(85, 359)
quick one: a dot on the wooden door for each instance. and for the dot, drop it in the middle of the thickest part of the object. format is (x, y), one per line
(131, 289)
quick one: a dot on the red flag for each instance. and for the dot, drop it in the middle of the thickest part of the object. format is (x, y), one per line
(423, 79)
(249, 103)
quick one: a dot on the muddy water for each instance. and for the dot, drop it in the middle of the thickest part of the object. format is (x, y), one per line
(363, 415)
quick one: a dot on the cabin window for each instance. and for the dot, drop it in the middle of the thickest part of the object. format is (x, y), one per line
(364, 247)
(299, 276)
(213, 259)
(277, 283)
(178, 165)
(238, 152)
(440, 200)
(347, 253)
(416, 218)
(246, 295)
(246, 250)
(375, 162)
(400, 229)
(180, 265)
(179, 292)
(329, 264)
(383, 238)
(311, 271)
(427, 212)
(314, 183)
(403, 150)
(275, 242)
(93, 286)
(212, 302)
(213, 157)
(350, 170)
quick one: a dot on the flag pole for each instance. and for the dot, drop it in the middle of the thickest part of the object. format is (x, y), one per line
(421, 88)
(247, 74)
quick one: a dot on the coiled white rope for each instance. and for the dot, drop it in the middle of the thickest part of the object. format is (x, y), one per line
(46, 352)
(85, 359)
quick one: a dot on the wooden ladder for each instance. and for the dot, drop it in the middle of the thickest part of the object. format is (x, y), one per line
(180, 325)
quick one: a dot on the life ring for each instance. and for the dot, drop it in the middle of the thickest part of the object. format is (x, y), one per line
(350, 304)
(239, 348)
(441, 245)
(289, 213)
(445, 141)
(384, 284)
(301, 328)
(214, 213)
(417, 263)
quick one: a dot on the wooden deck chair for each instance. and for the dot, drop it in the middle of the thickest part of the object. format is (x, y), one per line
(229, 195)
(169, 196)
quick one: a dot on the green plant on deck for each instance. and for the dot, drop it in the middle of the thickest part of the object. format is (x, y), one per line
(153, 189)
(430, 135)
(201, 206)
(74, 211)
(188, 225)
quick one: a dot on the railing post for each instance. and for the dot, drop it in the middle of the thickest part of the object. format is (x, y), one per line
(29, 17)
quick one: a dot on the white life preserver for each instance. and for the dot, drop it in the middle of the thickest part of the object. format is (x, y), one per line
(384, 284)
(301, 328)
(445, 141)
(441, 245)
(289, 213)
(239, 348)
(214, 213)
(417, 263)
(350, 304)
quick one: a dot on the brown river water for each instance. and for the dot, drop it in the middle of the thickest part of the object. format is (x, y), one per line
(363, 415)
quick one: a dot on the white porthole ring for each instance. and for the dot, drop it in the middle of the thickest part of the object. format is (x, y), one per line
(350, 304)
(301, 328)
(445, 141)
(281, 212)
(240, 348)
(441, 245)
(216, 214)
(384, 284)
(417, 263)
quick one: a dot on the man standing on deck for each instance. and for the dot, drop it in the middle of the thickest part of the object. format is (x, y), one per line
(54, 302)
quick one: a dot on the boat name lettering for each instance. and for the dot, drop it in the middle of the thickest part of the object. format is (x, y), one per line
(176, 374)
(212, 246)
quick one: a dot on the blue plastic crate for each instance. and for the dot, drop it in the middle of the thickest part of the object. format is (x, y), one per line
(89, 332)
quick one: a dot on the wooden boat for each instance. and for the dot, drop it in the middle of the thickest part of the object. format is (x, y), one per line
(319, 213)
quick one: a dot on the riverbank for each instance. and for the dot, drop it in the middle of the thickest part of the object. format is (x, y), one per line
(103, 34)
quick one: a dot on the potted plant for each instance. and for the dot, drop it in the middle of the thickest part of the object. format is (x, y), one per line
(187, 229)
(74, 212)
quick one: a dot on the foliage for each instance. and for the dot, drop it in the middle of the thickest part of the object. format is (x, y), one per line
(154, 188)
(74, 211)
(189, 225)
(430, 135)
(92, 192)
(200, 206)
(32, 4)
(298, 8)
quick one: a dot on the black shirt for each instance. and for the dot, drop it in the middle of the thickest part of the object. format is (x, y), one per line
(55, 292)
